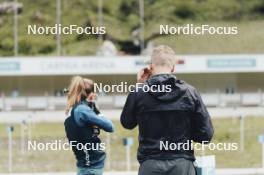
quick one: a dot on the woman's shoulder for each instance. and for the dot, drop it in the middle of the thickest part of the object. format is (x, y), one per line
(81, 106)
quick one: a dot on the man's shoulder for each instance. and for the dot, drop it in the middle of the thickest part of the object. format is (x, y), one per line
(186, 85)
(189, 88)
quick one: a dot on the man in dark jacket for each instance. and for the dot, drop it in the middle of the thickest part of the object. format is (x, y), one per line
(168, 112)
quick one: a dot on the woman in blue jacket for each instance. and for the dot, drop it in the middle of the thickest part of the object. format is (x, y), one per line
(83, 127)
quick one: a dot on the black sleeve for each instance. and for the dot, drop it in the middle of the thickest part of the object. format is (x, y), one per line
(202, 128)
(128, 118)
(93, 106)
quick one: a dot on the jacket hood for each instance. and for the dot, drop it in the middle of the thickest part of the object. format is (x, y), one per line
(167, 87)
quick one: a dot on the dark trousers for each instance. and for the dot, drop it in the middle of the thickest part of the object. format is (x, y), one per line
(178, 166)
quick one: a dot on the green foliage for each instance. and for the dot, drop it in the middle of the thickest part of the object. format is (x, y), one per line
(221, 10)
(257, 8)
(120, 18)
(33, 46)
(6, 47)
(185, 10)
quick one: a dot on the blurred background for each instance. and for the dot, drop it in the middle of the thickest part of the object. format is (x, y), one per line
(228, 70)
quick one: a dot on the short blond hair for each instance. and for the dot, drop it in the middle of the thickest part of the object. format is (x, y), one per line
(163, 55)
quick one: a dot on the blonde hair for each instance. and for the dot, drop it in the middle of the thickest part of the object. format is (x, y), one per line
(163, 56)
(77, 91)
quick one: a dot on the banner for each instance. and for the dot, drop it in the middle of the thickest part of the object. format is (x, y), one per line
(30, 66)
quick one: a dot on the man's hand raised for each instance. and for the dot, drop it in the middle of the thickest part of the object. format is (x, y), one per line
(143, 75)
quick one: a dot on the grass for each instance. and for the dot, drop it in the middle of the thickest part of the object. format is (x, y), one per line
(249, 40)
(226, 130)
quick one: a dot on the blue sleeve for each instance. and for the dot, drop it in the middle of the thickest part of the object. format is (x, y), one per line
(85, 115)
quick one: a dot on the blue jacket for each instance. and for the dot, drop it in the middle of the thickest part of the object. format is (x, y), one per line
(80, 129)
(84, 115)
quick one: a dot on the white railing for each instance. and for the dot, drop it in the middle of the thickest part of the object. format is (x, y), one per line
(32, 103)
(117, 101)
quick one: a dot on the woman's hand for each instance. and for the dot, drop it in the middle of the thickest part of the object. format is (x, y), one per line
(92, 96)
(93, 106)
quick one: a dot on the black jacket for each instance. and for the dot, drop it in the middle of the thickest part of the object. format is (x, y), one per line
(172, 117)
